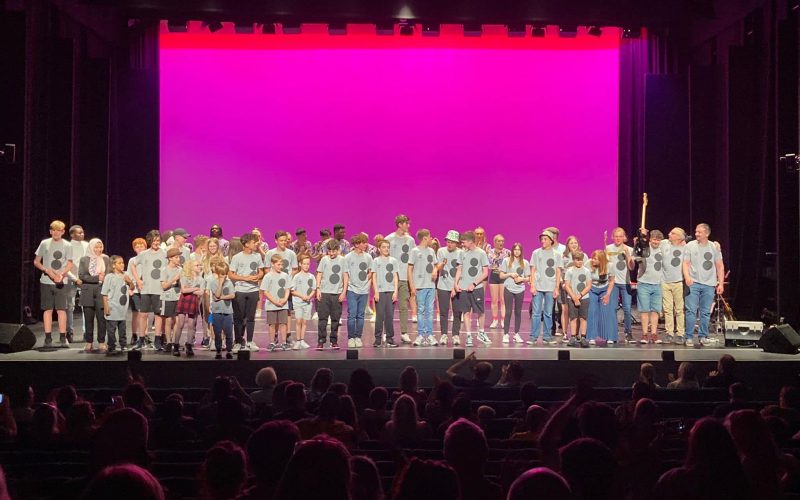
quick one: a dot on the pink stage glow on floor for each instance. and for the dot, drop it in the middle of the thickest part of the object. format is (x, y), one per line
(310, 130)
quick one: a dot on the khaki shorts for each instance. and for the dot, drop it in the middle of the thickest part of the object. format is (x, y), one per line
(278, 317)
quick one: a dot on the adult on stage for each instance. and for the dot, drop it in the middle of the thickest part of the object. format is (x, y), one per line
(602, 321)
(672, 288)
(400, 245)
(80, 247)
(620, 263)
(704, 273)
(216, 232)
(92, 270)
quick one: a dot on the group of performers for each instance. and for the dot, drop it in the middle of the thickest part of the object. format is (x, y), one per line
(222, 285)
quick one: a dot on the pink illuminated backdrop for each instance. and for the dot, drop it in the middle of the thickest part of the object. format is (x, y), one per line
(287, 131)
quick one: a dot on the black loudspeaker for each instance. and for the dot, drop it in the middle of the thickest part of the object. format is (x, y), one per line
(16, 338)
(780, 339)
(459, 353)
(351, 354)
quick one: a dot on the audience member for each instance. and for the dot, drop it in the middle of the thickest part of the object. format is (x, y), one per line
(295, 397)
(591, 469)
(229, 425)
(427, 480)
(224, 471)
(79, 425)
(269, 450)
(376, 415)
(481, 371)
(135, 396)
(359, 387)
(625, 411)
(319, 468)
(535, 418)
(409, 385)
(123, 482)
(511, 375)
(439, 407)
(173, 427)
(540, 482)
(320, 383)
(466, 450)
(266, 379)
(326, 422)
(365, 482)
(738, 399)
(405, 429)
(647, 375)
(687, 377)
(723, 376)
(788, 407)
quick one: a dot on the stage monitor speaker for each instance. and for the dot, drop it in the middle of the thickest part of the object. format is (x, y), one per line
(563, 355)
(15, 337)
(668, 356)
(780, 339)
(352, 354)
(459, 353)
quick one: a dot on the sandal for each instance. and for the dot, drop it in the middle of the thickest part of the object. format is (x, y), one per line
(89, 347)
(103, 348)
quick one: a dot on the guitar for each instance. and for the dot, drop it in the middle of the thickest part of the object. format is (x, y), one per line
(642, 245)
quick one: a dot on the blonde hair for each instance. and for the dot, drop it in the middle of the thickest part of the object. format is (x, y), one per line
(57, 225)
(188, 268)
(220, 265)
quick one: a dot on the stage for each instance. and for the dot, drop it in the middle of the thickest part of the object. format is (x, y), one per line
(613, 366)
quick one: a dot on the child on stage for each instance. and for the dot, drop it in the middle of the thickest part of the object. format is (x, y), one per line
(138, 318)
(620, 261)
(303, 287)
(448, 259)
(546, 263)
(275, 286)
(54, 260)
(469, 286)
(648, 292)
(192, 292)
(385, 283)
(246, 271)
(422, 273)
(330, 294)
(356, 277)
(150, 263)
(515, 270)
(578, 280)
(602, 320)
(170, 293)
(221, 291)
(116, 296)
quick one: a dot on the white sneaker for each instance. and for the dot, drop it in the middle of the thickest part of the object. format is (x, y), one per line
(359, 343)
(531, 342)
(297, 346)
(304, 345)
(404, 338)
(456, 340)
(494, 324)
(432, 341)
(643, 340)
(351, 343)
(245, 347)
(340, 322)
(484, 338)
(518, 339)
(253, 346)
(689, 343)
(236, 348)
(505, 338)
(414, 319)
(315, 316)
(469, 340)
(610, 342)
(592, 342)
(659, 341)
(417, 341)
(443, 339)
(502, 323)
(552, 342)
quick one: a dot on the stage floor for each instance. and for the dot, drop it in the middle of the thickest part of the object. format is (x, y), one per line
(496, 351)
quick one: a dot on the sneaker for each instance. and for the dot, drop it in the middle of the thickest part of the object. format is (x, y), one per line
(484, 338)
(272, 346)
(334, 346)
(390, 343)
(70, 335)
(176, 352)
(706, 341)
(689, 343)
(592, 342)
(237, 347)
(610, 342)
(518, 339)
(573, 342)
(669, 339)
(304, 345)
(583, 342)
(228, 355)
(158, 345)
(551, 342)
(253, 347)
(659, 341)
(502, 324)
(404, 338)
(494, 324)
(315, 316)
(377, 343)
(414, 318)
(245, 347)
(204, 342)
(63, 343)
(297, 346)
(443, 340)
(218, 355)
(469, 340)
(629, 338)
(137, 346)
(418, 341)
(351, 343)
(432, 341)
(320, 346)
(359, 343)
(531, 341)
(48, 339)
(643, 340)
(285, 346)
(456, 340)
(505, 338)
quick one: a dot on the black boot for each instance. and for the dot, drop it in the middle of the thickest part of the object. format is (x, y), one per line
(189, 349)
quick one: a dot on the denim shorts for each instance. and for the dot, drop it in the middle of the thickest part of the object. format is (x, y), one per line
(648, 297)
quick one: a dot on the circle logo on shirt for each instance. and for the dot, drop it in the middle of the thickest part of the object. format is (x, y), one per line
(429, 267)
(226, 291)
(389, 273)
(404, 256)
(282, 285)
(310, 286)
(57, 256)
(123, 290)
(334, 278)
(473, 267)
(520, 271)
(658, 265)
(676, 258)
(123, 299)
(362, 274)
(253, 268)
(707, 264)
(621, 263)
(285, 264)
(156, 272)
(581, 283)
(453, 268)
(550, 271)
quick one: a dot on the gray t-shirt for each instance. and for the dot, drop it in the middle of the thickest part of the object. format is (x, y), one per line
(400, 248)
(424, 262)
(618, 263)
(472, 264)
(702, 262)
(544, 264)
(79, 249)
(174, 292)
(134, 262)
(303, 283)
(524, 270)
(220, 306)
(651, 269)
(55, 255)
(383, 270)
(451, 261)
(578, 279)
(115, 288)
(598, 281)
(196, 282)
(332, 271)
(277, 285)
(357, 268)
(289, 259)
(186, 254)
(151, 265)
(246, 265)
(672, 258)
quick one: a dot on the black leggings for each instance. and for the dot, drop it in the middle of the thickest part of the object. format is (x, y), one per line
(244, 315)
(513, 301)
(92, 305)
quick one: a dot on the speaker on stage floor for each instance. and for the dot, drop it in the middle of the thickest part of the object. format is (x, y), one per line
(780, 339)
(15, 337)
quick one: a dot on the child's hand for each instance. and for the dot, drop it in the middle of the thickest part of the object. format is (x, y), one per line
(342, 296)
(106, 311)
(394, 297)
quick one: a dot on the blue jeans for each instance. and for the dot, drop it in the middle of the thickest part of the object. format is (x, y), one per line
(700, 296)
(425, 310)
(625, 292)
(356, 302)
(222, 323)
(542, 304)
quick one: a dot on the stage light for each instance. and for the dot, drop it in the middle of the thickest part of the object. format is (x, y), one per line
(337, 28)
(473, 29)
(538, 31)
(213, 26)
(430, 29)
(406, 29)
(568, 31)
(384, 28)
(595, 31)
(244, 28)
(516, 30)
(631, 32)
(268, 28)
(179, 26)
(291, 28)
